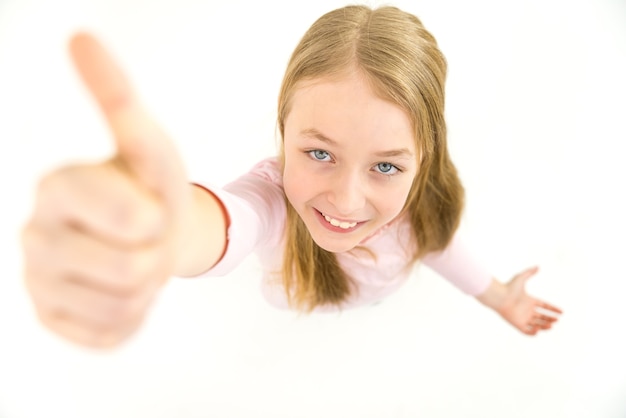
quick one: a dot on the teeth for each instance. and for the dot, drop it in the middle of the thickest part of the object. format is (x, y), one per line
(342, 225)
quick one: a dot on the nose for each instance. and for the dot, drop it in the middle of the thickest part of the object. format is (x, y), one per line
(347, 193)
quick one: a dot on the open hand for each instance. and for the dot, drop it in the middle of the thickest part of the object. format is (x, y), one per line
(526, 313)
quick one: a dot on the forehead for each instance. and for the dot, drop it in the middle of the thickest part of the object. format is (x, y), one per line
(346, 109)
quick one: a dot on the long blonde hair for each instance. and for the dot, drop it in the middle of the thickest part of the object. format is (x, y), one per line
(404, 65)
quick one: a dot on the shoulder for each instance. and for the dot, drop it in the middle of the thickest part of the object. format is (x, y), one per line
(268, 169)
(263, 180)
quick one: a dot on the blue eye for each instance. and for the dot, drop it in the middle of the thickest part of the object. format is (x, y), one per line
(387, 168)
(319, 155)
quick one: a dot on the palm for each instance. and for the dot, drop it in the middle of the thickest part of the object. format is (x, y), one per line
(526, 313)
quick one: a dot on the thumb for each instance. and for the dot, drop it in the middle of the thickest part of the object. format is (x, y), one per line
(142, 147)
(520, 279)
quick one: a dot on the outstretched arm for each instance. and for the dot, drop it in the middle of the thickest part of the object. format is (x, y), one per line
(526, 313)
(104, 237)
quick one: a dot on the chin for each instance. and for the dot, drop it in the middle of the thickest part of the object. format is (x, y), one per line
(335, 245)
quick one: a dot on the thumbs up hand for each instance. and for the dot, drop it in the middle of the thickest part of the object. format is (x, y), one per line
(103, 238)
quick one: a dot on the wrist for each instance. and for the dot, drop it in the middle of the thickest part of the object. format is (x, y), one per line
(203, 237)
(494, 296)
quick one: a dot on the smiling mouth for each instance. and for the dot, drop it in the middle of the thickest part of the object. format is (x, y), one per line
(338, 223)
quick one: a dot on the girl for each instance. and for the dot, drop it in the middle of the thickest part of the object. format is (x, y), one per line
(362, 189)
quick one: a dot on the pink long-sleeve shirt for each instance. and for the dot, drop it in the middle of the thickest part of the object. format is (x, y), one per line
(256, 207)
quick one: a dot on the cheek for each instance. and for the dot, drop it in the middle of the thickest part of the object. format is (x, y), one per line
(296, 183)
(392, 199)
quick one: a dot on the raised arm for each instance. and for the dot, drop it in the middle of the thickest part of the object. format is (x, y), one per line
(104, 237)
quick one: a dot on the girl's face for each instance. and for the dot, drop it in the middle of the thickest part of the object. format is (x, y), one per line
(350, 160)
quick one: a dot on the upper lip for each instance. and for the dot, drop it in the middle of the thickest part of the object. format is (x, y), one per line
(337, 218)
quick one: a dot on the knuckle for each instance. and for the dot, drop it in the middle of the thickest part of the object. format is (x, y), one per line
(112, 336)
(100, 338)
(55, 192)
(122, 215)
(44, 315)
(152, 220)
(135, 221)
(136, 217)
(121, 311)
(35, 289)
(94, 335)
(30, 239)
(36, 244)
(115, 200)
(47, 183)
(127, 289)
(131, 270)
(51, 184)
(128, 272)
(82, 333)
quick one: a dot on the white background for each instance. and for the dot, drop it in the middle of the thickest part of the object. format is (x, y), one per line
(536, 108)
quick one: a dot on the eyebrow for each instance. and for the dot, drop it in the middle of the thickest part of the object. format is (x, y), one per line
(315, 134)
